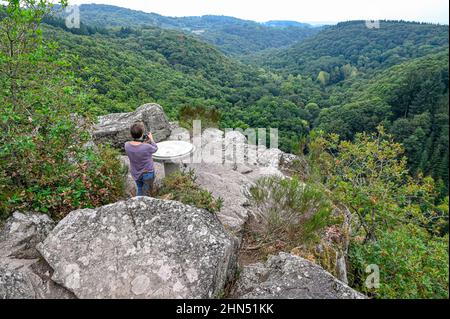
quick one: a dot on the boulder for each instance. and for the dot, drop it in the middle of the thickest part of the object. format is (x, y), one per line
(212, 135)
(286, 276)
(141, 248)
(115, 128)
(128, 180)
(232, 147)
(22, 232)
(23, 273)
(234, 137)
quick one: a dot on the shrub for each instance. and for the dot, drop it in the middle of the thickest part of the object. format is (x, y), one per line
(182, 187)
(44, 165)
(397, 222)
(370, 177)
(413, 264)
(290, 210)
(94, 179)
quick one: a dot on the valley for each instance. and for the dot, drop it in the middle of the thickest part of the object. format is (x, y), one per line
(358, 182)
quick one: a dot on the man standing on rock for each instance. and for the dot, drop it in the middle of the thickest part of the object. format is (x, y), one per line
(140, 152)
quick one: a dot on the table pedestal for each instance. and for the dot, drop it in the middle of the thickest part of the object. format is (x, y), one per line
(170, 168)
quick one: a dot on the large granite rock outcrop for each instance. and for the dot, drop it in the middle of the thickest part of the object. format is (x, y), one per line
(286, 276)
(224, 180)
(23, 273)
(141, 248)
(115, 128)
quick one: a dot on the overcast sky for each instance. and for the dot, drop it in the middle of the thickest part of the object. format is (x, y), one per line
(299, 10)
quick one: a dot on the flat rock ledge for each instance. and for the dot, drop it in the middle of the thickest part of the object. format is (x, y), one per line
(286, 276)
(141, 248)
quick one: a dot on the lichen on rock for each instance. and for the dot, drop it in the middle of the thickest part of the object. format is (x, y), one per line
(286, 276)
(141, 248)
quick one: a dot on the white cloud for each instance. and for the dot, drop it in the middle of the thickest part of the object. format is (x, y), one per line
(298, 10)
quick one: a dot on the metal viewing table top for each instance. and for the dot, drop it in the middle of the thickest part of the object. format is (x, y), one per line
(169, 151)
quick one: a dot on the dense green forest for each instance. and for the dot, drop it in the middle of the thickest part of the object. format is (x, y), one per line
(366, 109)
(411, 100)
(396, 75)
(348, 48)
(177, 70)
(230, 35)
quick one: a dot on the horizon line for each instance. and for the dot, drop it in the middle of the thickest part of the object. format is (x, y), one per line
(313, 23)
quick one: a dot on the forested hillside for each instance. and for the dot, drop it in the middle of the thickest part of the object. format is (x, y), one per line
(348, 48)
(231, 35)
(396, 75)
(346, 86)
(366, 111)
(177, 70)
(410, 99)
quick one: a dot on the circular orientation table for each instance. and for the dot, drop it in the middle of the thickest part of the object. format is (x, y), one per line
(170, 153)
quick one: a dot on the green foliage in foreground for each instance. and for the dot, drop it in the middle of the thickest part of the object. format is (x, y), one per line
(413, 264)
(370, 177)
(292, 215)
(399, 223)
(182, 187)
(44, 163)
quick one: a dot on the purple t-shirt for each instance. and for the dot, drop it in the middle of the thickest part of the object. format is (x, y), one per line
(140, 158)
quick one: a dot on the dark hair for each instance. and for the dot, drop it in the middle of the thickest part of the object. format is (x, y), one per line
(137, 130)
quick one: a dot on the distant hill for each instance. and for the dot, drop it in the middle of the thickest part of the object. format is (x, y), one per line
(286, 24)
(128, 67)
(353, 46)
(149, 64)
(231, 35)
(345, 79)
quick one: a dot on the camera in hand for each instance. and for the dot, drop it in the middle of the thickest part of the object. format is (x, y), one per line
(144, 138)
